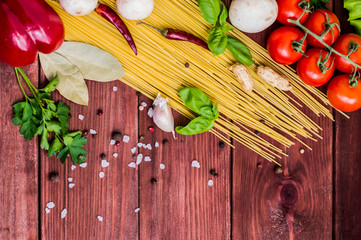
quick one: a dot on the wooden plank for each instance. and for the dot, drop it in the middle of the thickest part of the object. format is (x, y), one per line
(291, 205)
(113, 197)
(181, 205)
(18, 164)
(347, 164)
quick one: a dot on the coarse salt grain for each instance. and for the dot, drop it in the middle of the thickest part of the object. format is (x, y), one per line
(71, 185)
(115, 154)
(70, 179)
(144, 145)
(112, 142)
(139, 158)
(83, 165)
(144, 104)
(73, 167)
(63, 213)
(115, 88)
(132, 165)
(101, 174)
(195, 164)
(105, 163)
(50, 205)
(81, 117)
(149, 146)
(150, 112)
(162, 166)
(140, 144)
(100, 218)
(147, 159)
(137, 209)
(47, 210)
(133, 150)
(126, 138)
(210, 182)
(156, 144)
(92, 131)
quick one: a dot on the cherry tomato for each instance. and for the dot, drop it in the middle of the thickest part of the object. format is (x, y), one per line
(342, 96)
(290, 9)
(279, 45)
(316, 24)
(308, 67)
(341, 46)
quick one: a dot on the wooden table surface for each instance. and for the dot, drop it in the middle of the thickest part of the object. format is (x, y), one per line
(317, 196)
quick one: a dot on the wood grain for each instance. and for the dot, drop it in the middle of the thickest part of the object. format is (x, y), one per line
(347, 164)
(181, 205)
(113, 197)
(18, 164)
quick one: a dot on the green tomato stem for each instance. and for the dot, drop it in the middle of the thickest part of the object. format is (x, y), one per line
(307, 31)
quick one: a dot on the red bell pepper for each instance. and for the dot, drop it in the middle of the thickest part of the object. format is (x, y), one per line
(28, 27)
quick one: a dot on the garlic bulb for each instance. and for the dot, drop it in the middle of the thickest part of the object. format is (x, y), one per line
(162, 114)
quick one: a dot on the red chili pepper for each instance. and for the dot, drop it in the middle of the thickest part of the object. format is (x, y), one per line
(111, 16)
(28, 27)
(179, 35)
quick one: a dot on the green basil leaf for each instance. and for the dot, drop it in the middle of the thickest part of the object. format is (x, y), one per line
(207, 112)
(222, 18)
(198, 125)
(217, 41)
(226, 28)
(239, 51)
(195, 99)
(210, 10)
(215, 111)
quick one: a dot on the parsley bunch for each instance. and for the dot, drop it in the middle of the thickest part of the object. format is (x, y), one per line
(41, 116)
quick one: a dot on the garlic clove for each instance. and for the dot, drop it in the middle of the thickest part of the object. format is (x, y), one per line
(162, 114)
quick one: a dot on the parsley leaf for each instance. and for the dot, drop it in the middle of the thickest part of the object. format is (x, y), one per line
(62, 113)
(74, 147)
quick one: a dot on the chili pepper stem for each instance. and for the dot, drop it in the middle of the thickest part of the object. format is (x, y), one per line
(161, 31)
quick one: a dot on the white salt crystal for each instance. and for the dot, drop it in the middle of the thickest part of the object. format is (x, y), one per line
(83, 165)
(50, 205)
(47, 210)
(115, 88)
(156, 144)
(149, 146)
(144, 104)
(105, 163)
(147, 159)
(115, 154)
(162, 166)
(137, 209)
(196, 164)
(70, 179)
(92, 131)
(133, 150)
(132, 165)
(63, 213)
(140, 144)
(150, 112)
(139, 158)
(101, 174)
(81, 117)
(100, 218)
(210, 182)
(126, 138)
(71, 185)
(73, 167)
(144, 145)
(112, 142)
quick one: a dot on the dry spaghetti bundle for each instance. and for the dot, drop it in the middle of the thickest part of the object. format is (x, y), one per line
(159, 68)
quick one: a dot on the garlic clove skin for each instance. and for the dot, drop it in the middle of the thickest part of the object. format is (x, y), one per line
(162, 114)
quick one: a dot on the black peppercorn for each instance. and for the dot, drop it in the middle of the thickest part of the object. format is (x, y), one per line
(221, 144)
(262, 121)
(153, 180)
(134, 156)
(117, 136)
(213, 172)
(141, 137)
(257, 132)
(54, 177)
(259, 165)
(139, 94)
(69, 115)
(186, 65)
(165, 142)
(103, 156)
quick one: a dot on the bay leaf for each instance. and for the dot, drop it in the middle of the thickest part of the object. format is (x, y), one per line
(71, 83)
(93, 63)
